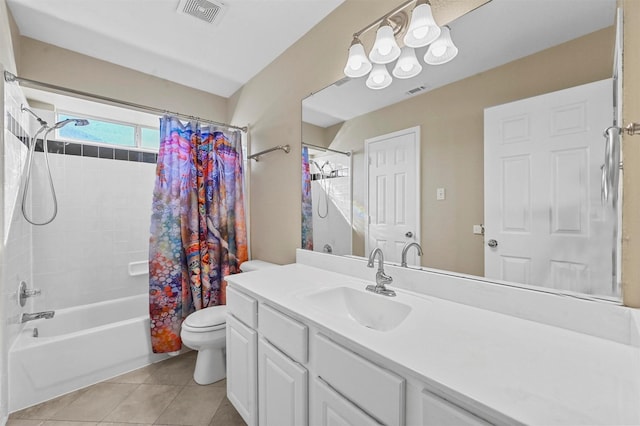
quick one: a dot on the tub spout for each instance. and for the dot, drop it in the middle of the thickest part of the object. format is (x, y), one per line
(38, 315)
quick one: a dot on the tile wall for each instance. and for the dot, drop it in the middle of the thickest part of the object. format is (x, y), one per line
(104, 211)
(16, 259)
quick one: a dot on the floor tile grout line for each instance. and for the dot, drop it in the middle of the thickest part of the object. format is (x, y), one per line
(168, 404)
(120, 403)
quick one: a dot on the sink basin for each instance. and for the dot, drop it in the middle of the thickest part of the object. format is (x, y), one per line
(367, 309)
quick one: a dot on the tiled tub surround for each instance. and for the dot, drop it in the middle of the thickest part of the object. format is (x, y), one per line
(497, 366)
(104, 212)
(17, 254)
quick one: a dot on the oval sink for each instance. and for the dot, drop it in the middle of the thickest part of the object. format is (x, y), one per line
(368, 309)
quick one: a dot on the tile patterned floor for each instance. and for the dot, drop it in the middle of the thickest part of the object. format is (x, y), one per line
(159, 394)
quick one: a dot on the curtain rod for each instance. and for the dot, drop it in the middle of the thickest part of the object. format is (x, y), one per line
(9, 77)
(348, 154)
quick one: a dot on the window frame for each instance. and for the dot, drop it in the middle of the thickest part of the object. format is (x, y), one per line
(137, 132)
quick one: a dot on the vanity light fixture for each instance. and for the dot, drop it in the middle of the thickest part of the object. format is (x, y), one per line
(407, 65)
(385, 49)
(358, 64)
(422, 31)
(379, 78)
(423, 28)
(442, 50)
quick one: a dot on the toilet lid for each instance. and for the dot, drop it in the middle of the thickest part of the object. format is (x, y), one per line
(207, 317)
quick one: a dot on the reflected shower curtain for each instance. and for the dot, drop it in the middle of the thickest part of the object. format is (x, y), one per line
(198, 228)
(307, 207)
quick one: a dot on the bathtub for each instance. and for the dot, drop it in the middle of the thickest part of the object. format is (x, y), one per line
(78, 347)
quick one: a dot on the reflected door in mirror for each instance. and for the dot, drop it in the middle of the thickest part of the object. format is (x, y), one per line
(543, 158)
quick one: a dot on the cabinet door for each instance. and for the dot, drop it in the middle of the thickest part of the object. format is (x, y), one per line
(242, 369)
(440, 412)
(283, 393)
(332, 409)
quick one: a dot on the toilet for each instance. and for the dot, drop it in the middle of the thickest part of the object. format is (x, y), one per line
(204, 331)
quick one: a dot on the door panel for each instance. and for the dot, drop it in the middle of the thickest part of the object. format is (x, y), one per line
(543, 158)
(393, 199)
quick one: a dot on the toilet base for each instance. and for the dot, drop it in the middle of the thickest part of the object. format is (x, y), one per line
(210, 366)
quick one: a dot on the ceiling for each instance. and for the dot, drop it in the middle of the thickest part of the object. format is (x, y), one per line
(152, 37)
(496, 33)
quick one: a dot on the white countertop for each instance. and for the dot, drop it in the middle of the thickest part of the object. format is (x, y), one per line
(531, 372)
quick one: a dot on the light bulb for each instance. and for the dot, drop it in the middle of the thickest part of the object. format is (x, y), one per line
(420, 32)
(378, 78)
(405, 66)
(438, 49)
(354, 63)
(384, 48)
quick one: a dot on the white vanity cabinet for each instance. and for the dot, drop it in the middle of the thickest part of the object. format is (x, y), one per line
(283, 388)
(242, 369)
(267, 380)
(242, 355)
(285, 371)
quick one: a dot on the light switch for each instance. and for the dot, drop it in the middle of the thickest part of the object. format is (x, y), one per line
(478, 229)
(440, 195)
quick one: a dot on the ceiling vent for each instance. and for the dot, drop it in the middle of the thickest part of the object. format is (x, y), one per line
(210, 11)
(417, 90)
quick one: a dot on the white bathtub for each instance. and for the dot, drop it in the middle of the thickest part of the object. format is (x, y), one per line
(78, 347)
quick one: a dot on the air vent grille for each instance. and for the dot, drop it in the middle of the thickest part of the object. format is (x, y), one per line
(417, 90)
(210, 11)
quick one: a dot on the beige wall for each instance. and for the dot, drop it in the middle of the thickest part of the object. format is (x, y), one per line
(270, 102)
(631, 156)
(451, 121)
(51, 64)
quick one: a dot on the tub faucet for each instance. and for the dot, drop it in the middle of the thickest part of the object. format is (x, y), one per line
(38, 315)
(405, 249)
(382, 279)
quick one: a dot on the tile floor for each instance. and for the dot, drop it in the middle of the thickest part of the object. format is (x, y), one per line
(159, 394)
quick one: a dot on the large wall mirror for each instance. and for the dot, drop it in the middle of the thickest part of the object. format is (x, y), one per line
(494, 162)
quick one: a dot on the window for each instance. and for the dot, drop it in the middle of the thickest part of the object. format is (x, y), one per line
(106, 132)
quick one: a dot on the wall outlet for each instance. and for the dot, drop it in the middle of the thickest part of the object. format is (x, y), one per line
(440, 194)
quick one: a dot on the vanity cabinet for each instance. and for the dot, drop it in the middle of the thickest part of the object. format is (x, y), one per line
(242, 369)
(267, 381)
(285, 371)
(283, 388)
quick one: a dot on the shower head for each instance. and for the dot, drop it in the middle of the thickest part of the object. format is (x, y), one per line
(79, 122)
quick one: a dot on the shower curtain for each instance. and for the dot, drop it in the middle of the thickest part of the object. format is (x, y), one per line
(307, 207)
(198, 228)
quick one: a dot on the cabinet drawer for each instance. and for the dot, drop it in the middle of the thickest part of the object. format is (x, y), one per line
(330, 408)
(437, 411)
(375, 390)
(287, 334)
(243, 307)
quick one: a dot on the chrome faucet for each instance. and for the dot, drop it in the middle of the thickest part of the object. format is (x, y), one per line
(38, 315)
(382, 279)
(406, 248)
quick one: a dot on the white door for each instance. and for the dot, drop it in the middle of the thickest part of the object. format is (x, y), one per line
(283, 393)
(242, 369)
(393, 188)
(332, 409)
(545, 223)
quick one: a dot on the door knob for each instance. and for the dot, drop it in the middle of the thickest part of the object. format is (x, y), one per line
(492, 243)
(409, 234)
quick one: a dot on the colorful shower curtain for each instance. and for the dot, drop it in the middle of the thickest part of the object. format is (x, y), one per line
(198, 228)
(307, 207)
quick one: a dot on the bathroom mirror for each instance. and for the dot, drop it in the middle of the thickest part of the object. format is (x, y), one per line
(511, 53)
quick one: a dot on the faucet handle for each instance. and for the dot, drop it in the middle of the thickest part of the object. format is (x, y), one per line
(33, 292)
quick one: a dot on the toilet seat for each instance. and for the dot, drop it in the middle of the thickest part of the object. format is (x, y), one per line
(207, 319)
